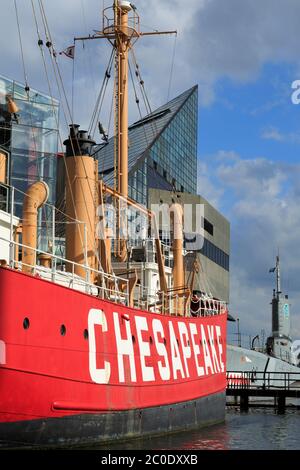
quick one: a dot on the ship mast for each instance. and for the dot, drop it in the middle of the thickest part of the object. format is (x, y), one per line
(123, 42)
(121, 27)
(122, 31)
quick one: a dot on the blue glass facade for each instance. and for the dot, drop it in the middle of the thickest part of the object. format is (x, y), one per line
(174, 153)
(162, 149)
(31, 137)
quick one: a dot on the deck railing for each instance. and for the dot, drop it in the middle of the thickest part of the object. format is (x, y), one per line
(266, 380)
(111, 287)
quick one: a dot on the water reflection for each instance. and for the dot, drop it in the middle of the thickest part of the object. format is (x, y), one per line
(259, 429)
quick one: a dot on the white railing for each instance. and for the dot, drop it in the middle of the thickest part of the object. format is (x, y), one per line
(206, 307)
(111, 288)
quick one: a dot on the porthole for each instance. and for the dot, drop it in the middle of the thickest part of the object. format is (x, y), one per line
(63, 330)
(86, 334)
(26, 323)
(133, 339)
(151, 340)
(165, 341)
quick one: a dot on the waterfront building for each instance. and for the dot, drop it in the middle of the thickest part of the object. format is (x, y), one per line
(163, 169)
(30, 139)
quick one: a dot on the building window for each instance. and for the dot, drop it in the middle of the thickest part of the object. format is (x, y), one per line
(215, 254)
(208, 227)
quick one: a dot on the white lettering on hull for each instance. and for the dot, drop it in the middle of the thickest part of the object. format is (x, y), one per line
(190, 350)
(175, 353)
(207, 359)
(220, 347)
(186, 349)
(196, 349)
(2, 353)
(124, 348)
(147, 371)
(99, 376)
(164, 370)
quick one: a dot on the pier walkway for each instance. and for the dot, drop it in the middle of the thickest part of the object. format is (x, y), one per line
(262, 384)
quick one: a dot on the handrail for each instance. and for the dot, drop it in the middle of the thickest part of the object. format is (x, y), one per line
(56, 273)
(267, 380)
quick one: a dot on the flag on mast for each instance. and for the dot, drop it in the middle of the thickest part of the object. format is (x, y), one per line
(272, 270)
(69, 52)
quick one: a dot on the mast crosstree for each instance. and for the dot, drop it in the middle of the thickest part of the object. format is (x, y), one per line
(121, 27)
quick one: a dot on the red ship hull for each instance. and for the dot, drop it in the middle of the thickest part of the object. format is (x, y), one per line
(76, 369)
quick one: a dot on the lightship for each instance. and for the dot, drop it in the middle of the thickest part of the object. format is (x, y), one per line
(88, 353)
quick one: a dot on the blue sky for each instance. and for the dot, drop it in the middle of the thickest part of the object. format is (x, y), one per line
(251, 134)
(244, 115)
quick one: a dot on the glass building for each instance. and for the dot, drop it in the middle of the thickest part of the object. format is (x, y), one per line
(30, 137)
(162, 150)
(162, 165)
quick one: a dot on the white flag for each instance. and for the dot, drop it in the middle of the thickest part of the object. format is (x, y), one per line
(69, 52)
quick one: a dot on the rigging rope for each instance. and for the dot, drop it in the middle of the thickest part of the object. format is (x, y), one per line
(99, 101)
(40, 43)
(172, 68)
(21, 47)
(89, 68)
(53, 56)
(141, 82)
(137, 102)
(32, 126)
(153, 123)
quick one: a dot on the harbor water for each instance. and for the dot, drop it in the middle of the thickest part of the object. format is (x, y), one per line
(258, 429)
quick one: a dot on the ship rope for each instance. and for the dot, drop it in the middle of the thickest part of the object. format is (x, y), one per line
(41, 43)
(101, 96)
(21, 46)
(89, 68)
(141, 82)
(201, 274)
(32, 127)
(60, 84)
(137, 100)
(144, 95)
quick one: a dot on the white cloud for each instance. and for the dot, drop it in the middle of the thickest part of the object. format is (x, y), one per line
(271, 133)
(216, 39)
(206, 187)
(264, 217)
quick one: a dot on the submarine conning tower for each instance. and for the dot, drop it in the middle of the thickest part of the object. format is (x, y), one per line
(280, 342)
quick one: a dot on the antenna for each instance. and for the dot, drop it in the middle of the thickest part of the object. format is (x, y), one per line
(278, 289)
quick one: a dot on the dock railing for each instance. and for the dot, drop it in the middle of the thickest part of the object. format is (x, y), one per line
(263, 380)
